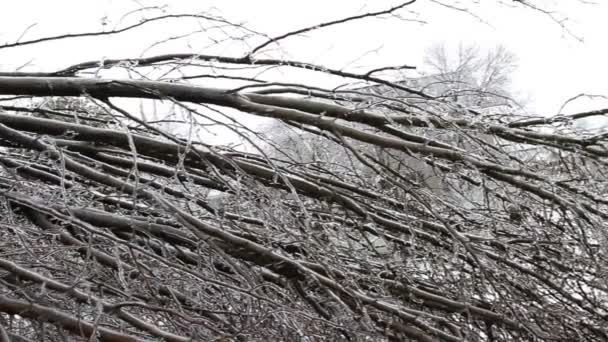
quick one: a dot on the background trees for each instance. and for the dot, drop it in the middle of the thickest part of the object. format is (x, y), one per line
(410, 211)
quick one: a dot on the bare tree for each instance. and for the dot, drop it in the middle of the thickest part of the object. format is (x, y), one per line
(469, 75)
(114, 229)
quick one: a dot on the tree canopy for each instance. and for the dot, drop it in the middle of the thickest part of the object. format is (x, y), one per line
(390, 207)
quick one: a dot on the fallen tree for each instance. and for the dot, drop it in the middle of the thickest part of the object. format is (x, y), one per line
(117, 229)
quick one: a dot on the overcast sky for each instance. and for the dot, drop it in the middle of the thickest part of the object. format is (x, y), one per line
(554, 65)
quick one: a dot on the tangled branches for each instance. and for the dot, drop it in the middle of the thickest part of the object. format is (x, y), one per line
(397, 214)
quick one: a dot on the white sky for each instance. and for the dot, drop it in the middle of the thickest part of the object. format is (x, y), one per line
(553, 65)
